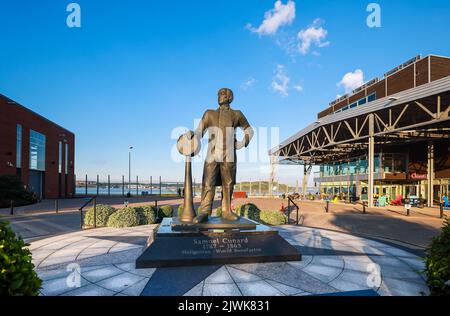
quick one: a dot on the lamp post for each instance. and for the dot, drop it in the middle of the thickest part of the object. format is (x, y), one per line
(129, 170)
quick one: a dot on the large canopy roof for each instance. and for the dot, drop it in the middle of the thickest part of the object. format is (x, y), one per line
(417, 114)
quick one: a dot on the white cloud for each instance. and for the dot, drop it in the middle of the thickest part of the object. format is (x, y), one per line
(281, 14)
(352, 80)
(298, 88)
(315, 34)
(280, 82)
(248, 83)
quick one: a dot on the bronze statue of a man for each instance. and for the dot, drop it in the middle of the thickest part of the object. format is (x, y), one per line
(220, 164)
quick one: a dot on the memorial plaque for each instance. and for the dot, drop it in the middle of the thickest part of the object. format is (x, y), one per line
(172, 249)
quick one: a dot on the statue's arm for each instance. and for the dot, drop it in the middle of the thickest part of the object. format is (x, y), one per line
(248, 130)
(202, 126)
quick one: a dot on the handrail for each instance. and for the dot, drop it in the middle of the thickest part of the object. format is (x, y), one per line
(290, 200)
(94, 198)
(88, 202)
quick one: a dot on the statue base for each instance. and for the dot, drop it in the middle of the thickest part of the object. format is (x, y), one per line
(213, 223)
(208, 246)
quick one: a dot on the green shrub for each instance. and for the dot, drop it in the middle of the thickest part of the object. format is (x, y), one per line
(219, 211)
(272, 218)
(437, 262)
(103, 214)
(165, 211)
(251, 211)
(11, 188)
(180, 210)
(124, 217)
(147, 214)
(17, 275)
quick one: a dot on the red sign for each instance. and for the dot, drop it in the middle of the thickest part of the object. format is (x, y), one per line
(418, 176)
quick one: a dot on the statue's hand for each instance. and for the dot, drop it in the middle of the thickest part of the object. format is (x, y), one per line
(189, 135)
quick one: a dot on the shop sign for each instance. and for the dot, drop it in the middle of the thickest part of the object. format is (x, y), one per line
(418, 176)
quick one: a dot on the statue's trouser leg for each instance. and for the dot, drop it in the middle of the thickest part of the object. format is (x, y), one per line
(210, 174)
(228, 174)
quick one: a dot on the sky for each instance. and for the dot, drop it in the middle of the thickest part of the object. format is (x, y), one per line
(138, 73)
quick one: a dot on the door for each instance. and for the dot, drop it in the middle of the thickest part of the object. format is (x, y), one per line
(35, 183)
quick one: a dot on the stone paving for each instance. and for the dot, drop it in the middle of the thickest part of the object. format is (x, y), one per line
(332, 262)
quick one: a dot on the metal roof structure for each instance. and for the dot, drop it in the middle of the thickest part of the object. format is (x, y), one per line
(415, 114)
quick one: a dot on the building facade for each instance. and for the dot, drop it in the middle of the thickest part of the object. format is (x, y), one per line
(37, 150)
(389, 137)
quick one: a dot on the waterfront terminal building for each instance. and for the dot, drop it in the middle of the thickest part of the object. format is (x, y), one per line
(389, 137)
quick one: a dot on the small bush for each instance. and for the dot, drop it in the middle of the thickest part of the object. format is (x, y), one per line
(124, 217)
(17, 275)
(165, 211)
(180, 210)
(251, 211)
(272, 218)
(219, 211)
(147, 214)
(103, 214)
(437, 262)
(12, 188)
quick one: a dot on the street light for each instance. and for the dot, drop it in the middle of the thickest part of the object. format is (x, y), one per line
(129, 170)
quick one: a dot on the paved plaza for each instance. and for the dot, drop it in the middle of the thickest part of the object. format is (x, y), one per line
(333, 263)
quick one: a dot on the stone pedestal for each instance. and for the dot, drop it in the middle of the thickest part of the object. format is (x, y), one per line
(214, 242)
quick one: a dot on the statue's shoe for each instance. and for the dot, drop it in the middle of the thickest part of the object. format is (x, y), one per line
(201, 218)
(230, 216)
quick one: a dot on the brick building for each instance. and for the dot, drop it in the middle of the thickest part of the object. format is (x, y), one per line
(39, 151)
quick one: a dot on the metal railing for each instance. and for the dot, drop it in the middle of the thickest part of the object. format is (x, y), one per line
(290, 200)
(95, 211)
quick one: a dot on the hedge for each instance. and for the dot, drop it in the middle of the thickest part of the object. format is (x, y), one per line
(17, 275)
(437, 262)
(12, 188)
(251, 211)
(147, 214)
(124, 217)
(272, 218)
(165, 211)
(103, 214)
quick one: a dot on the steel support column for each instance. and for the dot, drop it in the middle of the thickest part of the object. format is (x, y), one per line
(430, 174)
(370, 158)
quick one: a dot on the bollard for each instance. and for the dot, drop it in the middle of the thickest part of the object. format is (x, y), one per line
(327, 207)
(95, 213)
(441, 210)
(11, 212)
(289, 210)
(56, 206)
(364, 207)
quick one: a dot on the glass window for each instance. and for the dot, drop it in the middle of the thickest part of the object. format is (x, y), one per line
(59, 157)
(37, 151)
(345, 108)
(362, 101)
(67, 157)
(351, 106)
(19, 146)
(372, 97)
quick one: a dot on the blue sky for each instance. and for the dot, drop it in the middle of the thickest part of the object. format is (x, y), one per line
(136, 70)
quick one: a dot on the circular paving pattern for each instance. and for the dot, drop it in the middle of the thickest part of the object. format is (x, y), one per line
(101, 262)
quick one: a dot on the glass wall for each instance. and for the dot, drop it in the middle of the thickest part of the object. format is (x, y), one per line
(37, 151)
(19, 146)
(343, 168)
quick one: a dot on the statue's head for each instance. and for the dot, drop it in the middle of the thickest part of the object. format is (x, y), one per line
(225, 96)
